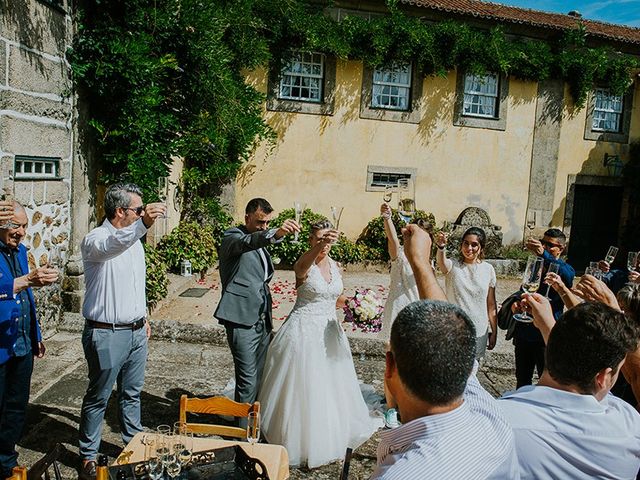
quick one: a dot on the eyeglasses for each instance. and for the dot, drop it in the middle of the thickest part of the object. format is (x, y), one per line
(138, 210)
(550, 244)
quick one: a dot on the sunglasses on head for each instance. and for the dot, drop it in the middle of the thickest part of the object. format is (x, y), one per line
(550, 244)
(138, 210)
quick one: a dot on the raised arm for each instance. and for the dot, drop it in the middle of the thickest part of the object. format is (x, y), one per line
(303, 264)
(569, 299)
(101, 244)
(417, 248)
(444, 264)
(393, 245)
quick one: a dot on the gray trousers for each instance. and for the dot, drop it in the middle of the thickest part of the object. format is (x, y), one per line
(249, 349)
(113, 356)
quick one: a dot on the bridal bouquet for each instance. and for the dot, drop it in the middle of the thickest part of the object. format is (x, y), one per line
(364, 311)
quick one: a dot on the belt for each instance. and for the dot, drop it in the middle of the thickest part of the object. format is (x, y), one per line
(135, 325)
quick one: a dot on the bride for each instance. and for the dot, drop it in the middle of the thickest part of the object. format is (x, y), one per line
(310, 397)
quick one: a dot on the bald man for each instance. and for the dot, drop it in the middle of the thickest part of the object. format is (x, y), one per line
(20, 338)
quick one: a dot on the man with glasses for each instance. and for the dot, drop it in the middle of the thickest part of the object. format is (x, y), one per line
(527, 339)
(20, 338)
(116, 332)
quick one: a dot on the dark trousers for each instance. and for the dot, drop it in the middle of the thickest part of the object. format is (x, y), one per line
(15, 382)
(529, 355)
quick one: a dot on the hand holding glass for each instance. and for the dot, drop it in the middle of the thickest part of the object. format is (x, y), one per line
(553, 268)
(530, 283)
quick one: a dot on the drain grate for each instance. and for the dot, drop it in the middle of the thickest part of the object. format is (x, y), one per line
(194, 292)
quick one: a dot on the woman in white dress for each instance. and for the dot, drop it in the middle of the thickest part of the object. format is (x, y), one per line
(402, 283)
(471, 284)
(310, 397)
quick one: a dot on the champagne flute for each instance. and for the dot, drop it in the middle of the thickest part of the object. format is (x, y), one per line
(611, 255)
(55, 259)
(531, 220)
(595, 270)
(406, 199)
(632, 261)
(160, 227)
(553, 268)
(164, 432)
(299, 209)
(530, 283)
(253, 428)
(154, 464)
(336, 213)
(388, 193)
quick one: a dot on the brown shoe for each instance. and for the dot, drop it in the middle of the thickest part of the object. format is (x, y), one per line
(87, 471)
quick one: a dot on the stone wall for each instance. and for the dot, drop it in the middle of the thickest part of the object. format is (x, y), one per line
(37, 120)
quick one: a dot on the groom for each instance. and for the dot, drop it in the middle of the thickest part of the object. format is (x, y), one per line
(245, 306)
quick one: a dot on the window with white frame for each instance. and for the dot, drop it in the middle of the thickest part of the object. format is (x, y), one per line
(607, 111)
(481, 95)
(36, 167)
(301, 79)
(392, 87)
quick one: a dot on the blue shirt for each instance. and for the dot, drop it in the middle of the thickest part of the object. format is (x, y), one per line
(22, 345)
(473, 441)
(561, 434)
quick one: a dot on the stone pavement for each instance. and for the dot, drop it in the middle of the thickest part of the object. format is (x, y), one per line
(188, 354)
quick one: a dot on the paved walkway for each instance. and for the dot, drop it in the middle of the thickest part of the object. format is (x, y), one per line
(189, 355)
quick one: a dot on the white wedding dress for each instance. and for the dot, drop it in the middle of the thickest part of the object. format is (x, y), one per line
(310, 398)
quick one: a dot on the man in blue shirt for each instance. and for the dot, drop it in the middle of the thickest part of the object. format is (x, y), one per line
(528, 342)
(20, 338)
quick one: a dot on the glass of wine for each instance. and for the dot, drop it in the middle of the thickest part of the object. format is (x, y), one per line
(530, 283)
(298, 208)
(406, 199)
(531, 220)
(7, 193)
(611, 255)
(632, 261)
(553, 268)
(388, 193)
(594, 269)
(55, 260)
(336, 213)
(253, 427)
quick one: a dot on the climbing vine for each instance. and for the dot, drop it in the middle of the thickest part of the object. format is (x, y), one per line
(165, 79)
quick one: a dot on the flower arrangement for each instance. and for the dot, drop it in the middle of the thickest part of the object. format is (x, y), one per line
(364, 311)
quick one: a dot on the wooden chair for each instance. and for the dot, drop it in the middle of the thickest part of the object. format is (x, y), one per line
(216, 406)
(40, 469)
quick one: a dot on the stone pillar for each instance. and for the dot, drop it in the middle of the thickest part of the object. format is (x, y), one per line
(544, 157)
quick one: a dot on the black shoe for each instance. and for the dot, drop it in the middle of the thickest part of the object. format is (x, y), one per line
(87, 471)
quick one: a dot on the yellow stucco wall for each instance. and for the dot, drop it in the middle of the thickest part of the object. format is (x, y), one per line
(322, 160)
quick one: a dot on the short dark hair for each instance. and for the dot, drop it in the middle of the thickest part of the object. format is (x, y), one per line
(629, 300)
(320, 225)
(118, 195)
(587, 339)
(557, 234)
(256, 204)
(433, 344)
(423, 223)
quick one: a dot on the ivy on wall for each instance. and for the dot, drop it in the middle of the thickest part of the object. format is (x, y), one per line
(166, 79)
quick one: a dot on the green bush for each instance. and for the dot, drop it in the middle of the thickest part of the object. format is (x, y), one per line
(347, 251)
(515, 251)
(190, 241)
(157, 280)
(374, 238)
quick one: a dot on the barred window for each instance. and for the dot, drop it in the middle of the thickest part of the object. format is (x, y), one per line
(380, 179)
(481, 95)
(302, 77)
(392, 87)
(607, 111)
(36, 167)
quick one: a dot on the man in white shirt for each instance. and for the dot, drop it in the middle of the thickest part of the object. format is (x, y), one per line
(452, 428)
(116, 332)
(569, 425)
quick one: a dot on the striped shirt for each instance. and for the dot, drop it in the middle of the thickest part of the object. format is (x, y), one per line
(473, 441)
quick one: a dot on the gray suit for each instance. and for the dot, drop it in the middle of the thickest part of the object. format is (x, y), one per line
(245, 306)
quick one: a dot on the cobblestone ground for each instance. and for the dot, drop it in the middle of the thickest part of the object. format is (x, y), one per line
(177, 367)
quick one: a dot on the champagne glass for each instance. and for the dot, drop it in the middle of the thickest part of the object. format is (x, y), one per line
(531, 220)
(154, 464)
(611, 255)
(253, 427)
(299, 209)
(164, 433)
(530, 283)
(388, 193)
(595, 270)
(55, 259)
(160, 226)
(336, 213)
(553, 268)
(632, 261)
(7, 193)
(406, 199)
(163, 188)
